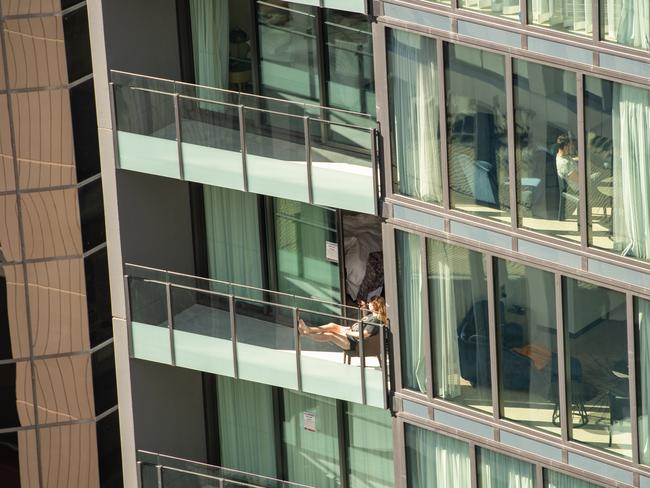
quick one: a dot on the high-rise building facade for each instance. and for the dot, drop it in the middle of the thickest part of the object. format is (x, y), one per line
(58, 403)
(271, 167)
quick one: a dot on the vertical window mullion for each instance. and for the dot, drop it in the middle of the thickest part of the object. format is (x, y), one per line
(426, 327)
(492, 324)
(382, 101)
(631, 368)
(442, 105)
(512, 170)
(343, 442)
(561, 360)
(582, 166)
(595, 19)
(392, 299)
(473, 464)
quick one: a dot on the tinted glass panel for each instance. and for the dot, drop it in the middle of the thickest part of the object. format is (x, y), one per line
(617, 131)
(527, 345)
(98, 297)
(108, 452)
(572, 16)
(9, 460)
(625, 22)
(16, 408)
(597, 369)
(77, 44)
(91, 210)
(84, 126)
(554, 479)
(104, 383)
(497, 470)
(503, 8)
(477, 138)
(642, 320)
(546, 149)
(458, 311)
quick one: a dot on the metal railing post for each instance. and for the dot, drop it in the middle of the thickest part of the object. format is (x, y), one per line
(179, 142)
(362, 363)
(310, 186)
(233, 334)
(383, 363)
(138, 473)
(296, 338)
(170, 322)
(242, 143)
(159, 476)
(375, 170)
(127, 306)
(116, 147)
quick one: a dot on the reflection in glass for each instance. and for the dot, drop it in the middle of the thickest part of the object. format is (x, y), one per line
(617, 131)
(527, 345)
(288, 51)
(413, 84)
(435, 460)
(626, 22)
(572, 16)
(642, 317)
(553, 479)
(477, 132)
(597, 367)
(502, 8)
(546, 150)
(458, 310)
(409, 286)
(497, 470)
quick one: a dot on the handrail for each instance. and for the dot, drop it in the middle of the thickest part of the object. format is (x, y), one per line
(228, 475)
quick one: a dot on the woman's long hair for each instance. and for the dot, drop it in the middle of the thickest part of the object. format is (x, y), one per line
(379, 305)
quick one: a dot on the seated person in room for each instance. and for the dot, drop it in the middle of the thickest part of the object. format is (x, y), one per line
(566, 163)
(347, 338)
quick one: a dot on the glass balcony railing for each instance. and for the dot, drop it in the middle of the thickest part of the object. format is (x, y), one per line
(245, 142)
(251, 334)
(160, 471)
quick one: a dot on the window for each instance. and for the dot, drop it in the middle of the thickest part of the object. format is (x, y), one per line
(503, 8)
(546, 150)
(642, 326)
(91, 212)
(84, 128)
(573, 16)
(553, 479)
(498, 470)
(108, 452)
(626, 22)
(104, 382)
(415, 130)
(99, 298)
(477, 141)
(77, 44)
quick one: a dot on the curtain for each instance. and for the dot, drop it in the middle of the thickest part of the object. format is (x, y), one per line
(444, 320)
(497, 470)
(414, 96)
(312, 457)
(409, 279)
(643, 362)
(232, 228)
(370, 447)
(631, 141)
(628, 22)
(559, 480)
(246, 426)
(210, 41)
(435, 460)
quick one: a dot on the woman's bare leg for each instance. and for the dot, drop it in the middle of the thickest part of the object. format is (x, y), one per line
(340, 341)
(323, 329)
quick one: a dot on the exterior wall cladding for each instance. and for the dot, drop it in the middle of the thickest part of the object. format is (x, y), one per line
(485, 161)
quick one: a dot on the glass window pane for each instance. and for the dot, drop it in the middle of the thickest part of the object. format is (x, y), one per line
(572, 16)
(626, 22)
(458, 311)
(554, 479)
(91, 213)
(409, 285)
(288, 51)
(435, 460)
(477, 139)
(98, 297)
(348, 40)
(617, 131)
(497, 470)
(17, 408)
(503, 8)
(108, 452)
(312, 455)
(10, 460)
(415, 129)
(642, 317)
(104, 382)
(370, 447)
(77, 44)
(546, 150)
(527, 345)
(597, 368)
(84, 128)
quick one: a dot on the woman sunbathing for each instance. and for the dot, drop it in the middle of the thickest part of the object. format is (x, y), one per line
(347, 338)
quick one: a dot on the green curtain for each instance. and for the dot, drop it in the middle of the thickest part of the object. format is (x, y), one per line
(409, 283)
(312, 458)
(497, 470)
(559, 480)
(233, 234)
(370, 447)
(210, 41)
(246, 426)
(435, 460)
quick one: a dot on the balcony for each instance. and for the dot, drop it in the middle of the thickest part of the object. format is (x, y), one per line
(160, 471)
(251, 334)
(245, 142)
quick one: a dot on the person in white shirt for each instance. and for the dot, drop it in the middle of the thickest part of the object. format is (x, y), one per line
(566, 163)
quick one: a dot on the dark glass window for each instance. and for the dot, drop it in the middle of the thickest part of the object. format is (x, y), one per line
(104, 383)
(77, 44)
(84, 127)
(69, 3)
(98, 297)
(10, 396)
(91, 209)
(108, 452)
(9, 460)
(5, 335)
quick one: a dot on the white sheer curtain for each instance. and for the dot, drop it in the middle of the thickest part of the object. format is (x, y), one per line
(643, 318)
(628, 22)
(559, 480)
(497, 471)
(414, 89)
(210, 41)
(631, 141)
(436, 460)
